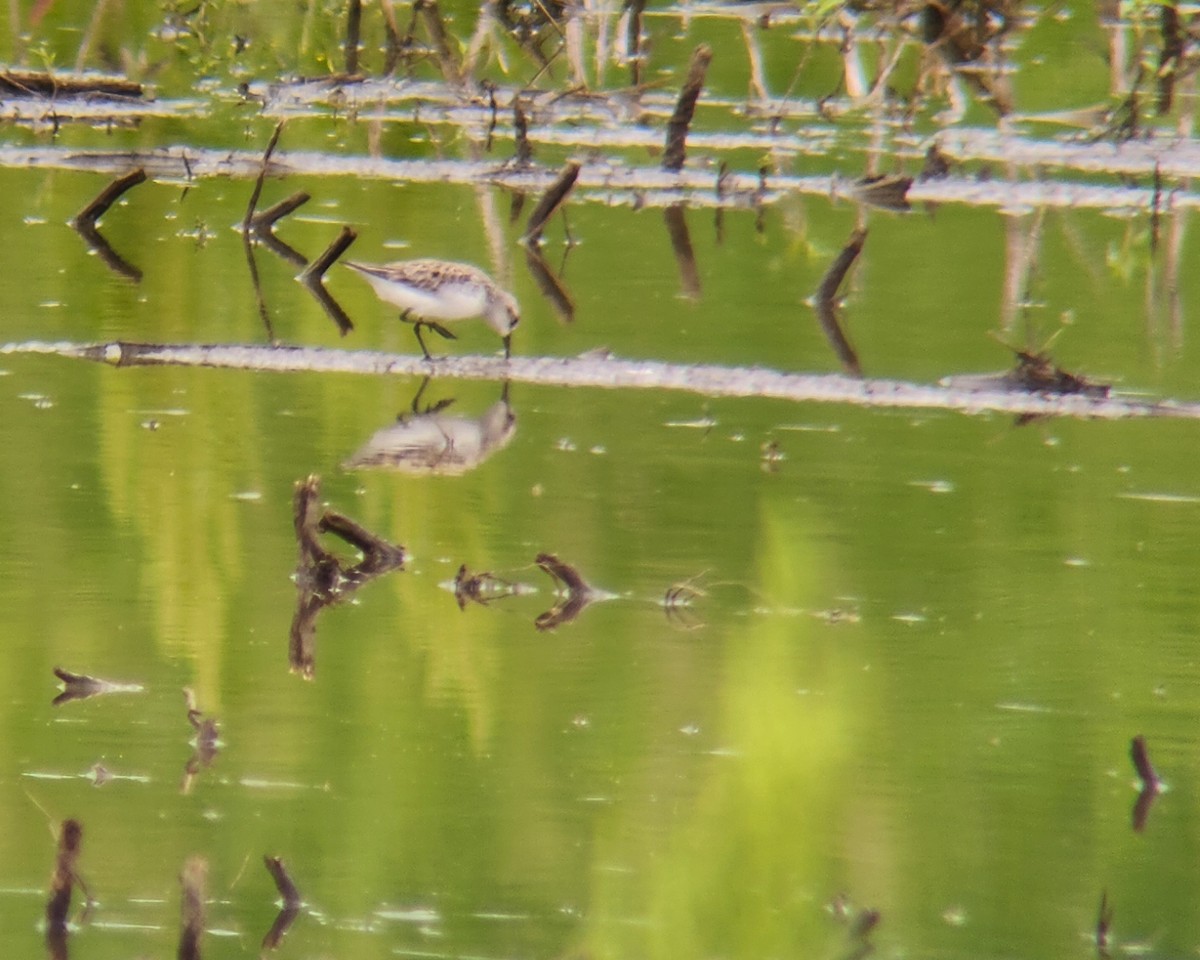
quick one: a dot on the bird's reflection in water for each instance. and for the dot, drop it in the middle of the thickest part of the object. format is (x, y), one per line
(431, 441)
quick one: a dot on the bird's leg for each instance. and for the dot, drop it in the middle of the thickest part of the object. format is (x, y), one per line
(421, 340)
(507, 349)
(440, 330)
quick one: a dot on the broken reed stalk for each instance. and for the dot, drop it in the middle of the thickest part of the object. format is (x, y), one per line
(685, 107)
(315, 271)
(633, 40)
(551, 200)
(1141, 763)
(266, 219)
(681, 246)
(63, 879)
(1103, 922)
(828, 288)
(262, 175)
(193, 881)
(521, 134)
(283, 882)
(439, 39)
(87, 217)
(353, 35)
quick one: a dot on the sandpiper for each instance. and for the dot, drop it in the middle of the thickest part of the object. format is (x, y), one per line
(427, 291)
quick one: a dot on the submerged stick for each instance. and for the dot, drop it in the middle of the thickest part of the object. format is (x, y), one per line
(315, 271)
(283, 882)
(291, 903)
(62, 881)
(524, 152)
(578, 593)
(605, 371)
(1150, 782)
(87, 217)
(825, 302)
(1103, 923)
(685, 107)
(551, 200)
(681, 246)
(192, 881)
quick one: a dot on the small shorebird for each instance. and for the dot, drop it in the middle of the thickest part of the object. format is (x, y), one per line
(427, 291)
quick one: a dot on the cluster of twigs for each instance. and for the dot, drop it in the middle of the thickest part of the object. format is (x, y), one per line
(193, 884)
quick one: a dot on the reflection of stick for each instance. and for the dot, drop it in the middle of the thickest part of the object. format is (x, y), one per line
(551, 200)
(437, 34)
(1103, 924)
(685, 107)
(837, 270)
(521, 133)
(262, 175)
(63, 879)
(192, 880)
(316, 270)
(633, 39)
(1141, 762)
(825, 302)
(266, 219)
(353, 28)
(1150, 783)
(549, 285)
(283, 883)
(681, 244)
(88, 216)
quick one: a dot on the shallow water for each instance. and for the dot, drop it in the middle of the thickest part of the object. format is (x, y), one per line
(837, 659)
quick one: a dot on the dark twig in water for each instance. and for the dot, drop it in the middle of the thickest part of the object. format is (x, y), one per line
(524, 152)
(685, 107)
(15, 83)
(262, 175)
(283, 882)
(481, 588)
(62, 882)
(678, 600)
(886, 191)
(681, 245)
(439, 39)
(88, 216)
(265, 220)
(633, 39)
(321, 578)
(353, 35)
(78, 686)
(578, 593)
(192, 881)
(291, 903)
(103, 249)
(825, 302)
(1171, 55)
(1150, 782)
(549, 285)
(551, 200)
(312, 278)
(1103, 924)
(206, 741)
